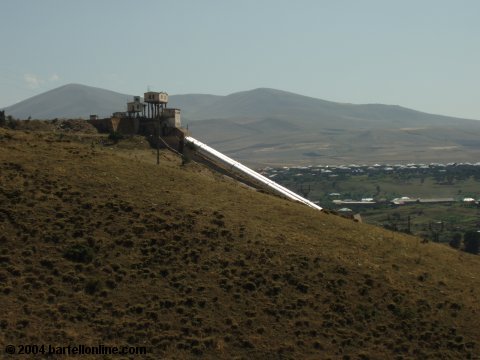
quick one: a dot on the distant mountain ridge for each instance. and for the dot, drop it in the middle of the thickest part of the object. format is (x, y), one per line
(265, 102)
(70, 101)
(76, 100)
(275, 126)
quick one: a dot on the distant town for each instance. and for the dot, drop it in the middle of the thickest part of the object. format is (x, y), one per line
(446, 174)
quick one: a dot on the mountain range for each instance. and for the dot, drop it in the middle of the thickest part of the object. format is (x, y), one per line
(277, 127)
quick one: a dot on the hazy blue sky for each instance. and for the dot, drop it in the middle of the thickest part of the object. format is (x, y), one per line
(423, 54)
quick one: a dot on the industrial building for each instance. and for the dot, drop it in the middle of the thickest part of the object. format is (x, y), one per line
(162, 127)
(150, 118)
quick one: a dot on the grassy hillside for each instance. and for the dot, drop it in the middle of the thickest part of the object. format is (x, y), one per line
(99, 245)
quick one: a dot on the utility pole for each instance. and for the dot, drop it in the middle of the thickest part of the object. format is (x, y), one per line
(158, 139)
(305, 191)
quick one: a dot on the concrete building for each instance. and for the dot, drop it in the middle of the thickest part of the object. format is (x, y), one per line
(152, 119)
(155, 97)
(119, 114)
(156, 102)
(135, 107)
(172, 117)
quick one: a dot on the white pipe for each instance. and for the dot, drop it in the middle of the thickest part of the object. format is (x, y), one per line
(242, 168)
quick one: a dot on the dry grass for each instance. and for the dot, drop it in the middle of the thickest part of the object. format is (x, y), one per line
(98, 244)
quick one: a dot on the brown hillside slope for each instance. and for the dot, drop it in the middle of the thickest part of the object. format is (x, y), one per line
(99, 246)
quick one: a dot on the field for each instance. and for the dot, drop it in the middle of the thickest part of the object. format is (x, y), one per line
(434, 221)
(99, 245)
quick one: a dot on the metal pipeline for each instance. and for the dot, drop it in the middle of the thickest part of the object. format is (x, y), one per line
(212, 153)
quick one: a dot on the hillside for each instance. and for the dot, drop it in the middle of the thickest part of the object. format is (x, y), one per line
(101, 246)
(268, 126)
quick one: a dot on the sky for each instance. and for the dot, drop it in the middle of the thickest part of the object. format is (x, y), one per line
(421, 54)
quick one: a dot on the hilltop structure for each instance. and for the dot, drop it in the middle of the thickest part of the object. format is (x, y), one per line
(162, 127)
(150, 118)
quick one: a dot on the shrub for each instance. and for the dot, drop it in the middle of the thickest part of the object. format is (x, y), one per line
(11, 122)
(47, 263)
(456, 241)
(92, 286)
(186, 158)
(79, 253)
(471, 240)
(115, 136)
(3, 120)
